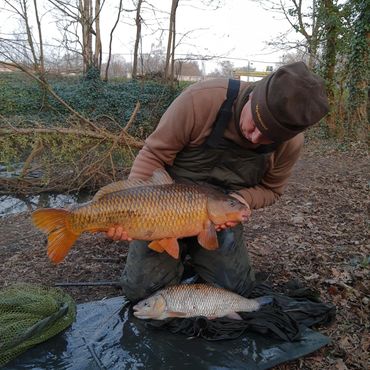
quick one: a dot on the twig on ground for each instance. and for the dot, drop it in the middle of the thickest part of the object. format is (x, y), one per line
(88, 283)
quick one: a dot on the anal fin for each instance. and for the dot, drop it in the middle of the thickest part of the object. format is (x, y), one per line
(156, 246)
(170, 245)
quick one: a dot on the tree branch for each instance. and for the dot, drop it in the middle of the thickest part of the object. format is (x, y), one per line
(123, 137)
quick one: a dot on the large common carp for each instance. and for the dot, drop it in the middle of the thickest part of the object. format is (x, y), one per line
(190, 300)
(157, 210)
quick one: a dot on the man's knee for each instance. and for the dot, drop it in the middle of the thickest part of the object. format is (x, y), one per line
(134, 288)
(229, 265)
(146, 271)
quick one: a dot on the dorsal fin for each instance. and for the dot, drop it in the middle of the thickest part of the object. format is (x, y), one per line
(118, 186)
(160, 177)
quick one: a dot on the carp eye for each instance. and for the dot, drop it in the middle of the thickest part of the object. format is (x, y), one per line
(232, 203)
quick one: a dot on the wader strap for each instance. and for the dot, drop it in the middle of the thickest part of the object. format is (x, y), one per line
(224, 114)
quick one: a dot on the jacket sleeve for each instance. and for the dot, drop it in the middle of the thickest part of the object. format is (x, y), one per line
(276, 178)
(172, 134)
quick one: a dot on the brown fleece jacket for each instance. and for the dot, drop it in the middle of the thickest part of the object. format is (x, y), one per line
(187, 123)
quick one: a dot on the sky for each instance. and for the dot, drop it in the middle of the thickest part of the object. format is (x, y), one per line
(237, 31)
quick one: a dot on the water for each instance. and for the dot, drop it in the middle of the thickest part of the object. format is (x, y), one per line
(10, 204)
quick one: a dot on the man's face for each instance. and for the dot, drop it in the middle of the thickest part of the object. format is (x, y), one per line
(249, 128)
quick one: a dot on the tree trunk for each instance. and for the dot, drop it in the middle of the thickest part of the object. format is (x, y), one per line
(41, 64)
(358, 76)
(171, 37)
(98, 46)
(137, 39)
(313, 41)
(331, 33)
(38, 64)
(111, 40)
(86, 24)
(172, 76)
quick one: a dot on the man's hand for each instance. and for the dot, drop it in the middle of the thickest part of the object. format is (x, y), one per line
(117, 233)
(225, 225)
(232, 223)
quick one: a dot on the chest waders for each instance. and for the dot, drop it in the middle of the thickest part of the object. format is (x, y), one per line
(221, 163)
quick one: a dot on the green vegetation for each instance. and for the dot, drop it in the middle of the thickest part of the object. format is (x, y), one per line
(93, 98)
(56, 146)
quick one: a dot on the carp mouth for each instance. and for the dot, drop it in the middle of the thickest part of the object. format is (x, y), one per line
(142, 313)
(150, 308)
(238, 216)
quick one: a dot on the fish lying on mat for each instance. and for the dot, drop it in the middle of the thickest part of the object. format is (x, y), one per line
(156, 210)
(190, 300)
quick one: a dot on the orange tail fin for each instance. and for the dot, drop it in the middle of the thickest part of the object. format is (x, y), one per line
(60, 237)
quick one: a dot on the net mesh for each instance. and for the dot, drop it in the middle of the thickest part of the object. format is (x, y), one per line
(31, 314)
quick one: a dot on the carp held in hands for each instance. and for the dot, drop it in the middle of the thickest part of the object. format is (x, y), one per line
(156, 210)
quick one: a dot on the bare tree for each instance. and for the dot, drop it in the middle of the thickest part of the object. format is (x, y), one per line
(187, 68)
(24, 42)
(118, 67)
(85, 16)
(170, 55)
(226, 69)
(25, 47)
(98, 46)
(303, 17)
(153, 63)
(41, 64)
(138, 21)
(75, 16)
(111, 39)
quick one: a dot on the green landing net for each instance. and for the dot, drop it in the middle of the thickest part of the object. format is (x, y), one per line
(31, 314)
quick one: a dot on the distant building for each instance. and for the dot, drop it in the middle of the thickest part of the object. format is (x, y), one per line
(250, 76)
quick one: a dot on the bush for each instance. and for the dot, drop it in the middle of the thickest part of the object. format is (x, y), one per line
(19, 95)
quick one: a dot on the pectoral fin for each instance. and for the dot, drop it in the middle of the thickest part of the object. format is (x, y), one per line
(208, 236)
(170, 245)
(175, 314)
(234, 316)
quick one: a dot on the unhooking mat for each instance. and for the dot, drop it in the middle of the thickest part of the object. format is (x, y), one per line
(107, 336)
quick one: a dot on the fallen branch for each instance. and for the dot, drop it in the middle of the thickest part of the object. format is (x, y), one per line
(26, 186)
(115, 284)
(132, 118)
(102, 134)
(37, 149)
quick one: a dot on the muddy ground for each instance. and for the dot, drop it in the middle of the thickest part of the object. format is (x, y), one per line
(316, 233)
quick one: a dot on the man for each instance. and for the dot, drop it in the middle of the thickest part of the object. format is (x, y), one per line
(244, 139)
